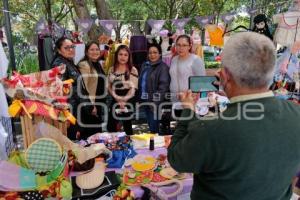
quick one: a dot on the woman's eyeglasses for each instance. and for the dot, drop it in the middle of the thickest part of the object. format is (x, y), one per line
(69, 47)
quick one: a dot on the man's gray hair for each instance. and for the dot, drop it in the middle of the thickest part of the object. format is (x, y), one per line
(250, 58)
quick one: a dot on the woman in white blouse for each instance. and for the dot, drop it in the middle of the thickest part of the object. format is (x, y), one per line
(184, 65)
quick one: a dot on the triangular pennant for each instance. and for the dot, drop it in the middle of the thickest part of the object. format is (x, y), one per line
(108, 25)
(84, 24)
(228, 18)
(156, 25)
(204, 20)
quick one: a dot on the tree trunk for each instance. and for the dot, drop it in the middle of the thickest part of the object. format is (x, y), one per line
(102, 12)
(48, 13)
(82, 12)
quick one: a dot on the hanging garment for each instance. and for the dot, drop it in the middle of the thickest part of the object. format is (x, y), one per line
(3, 74)
(45, 52)
(288, 30)
(109, 59)
(215, 34)
(41, 55)
(138, 48)
(48, 52)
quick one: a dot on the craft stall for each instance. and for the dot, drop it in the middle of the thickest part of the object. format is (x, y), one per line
(106, 166)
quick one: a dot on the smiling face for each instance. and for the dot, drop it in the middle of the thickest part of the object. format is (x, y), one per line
(93, 52)
(183, 47)
(123, 57)
(67, 49)
(153, 54)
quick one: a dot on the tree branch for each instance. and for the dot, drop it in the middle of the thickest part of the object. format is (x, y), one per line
(28, 14)
(147, 5)
(193, 8)
(64, 15)
(61, 10)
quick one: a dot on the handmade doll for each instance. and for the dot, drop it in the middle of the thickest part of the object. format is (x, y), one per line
(261, 26)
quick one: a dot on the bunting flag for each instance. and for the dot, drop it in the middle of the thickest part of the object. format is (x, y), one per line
(204, 20)
(180, 23)
(84, 24)
(57, 30)
(252, 11)
(156, 26)
(108, 25)
(41, 27)
(229, 17)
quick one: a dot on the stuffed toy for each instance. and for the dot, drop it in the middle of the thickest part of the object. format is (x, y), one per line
(261, 26)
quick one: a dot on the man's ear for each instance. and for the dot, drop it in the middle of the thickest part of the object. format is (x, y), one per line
(225, 75)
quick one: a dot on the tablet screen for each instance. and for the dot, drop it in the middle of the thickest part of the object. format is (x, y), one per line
(202, 83)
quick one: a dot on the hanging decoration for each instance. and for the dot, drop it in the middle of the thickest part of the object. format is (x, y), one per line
(204, 20)
(252, 11)
(229, 17)
(84, 24)
(180, 23)
(41, 27)
(156, 26)
(108, 25)
(57, 31)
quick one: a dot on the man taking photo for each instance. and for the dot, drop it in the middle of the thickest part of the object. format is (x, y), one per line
(252, 150)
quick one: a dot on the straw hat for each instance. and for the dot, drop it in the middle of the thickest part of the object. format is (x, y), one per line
(92, 179)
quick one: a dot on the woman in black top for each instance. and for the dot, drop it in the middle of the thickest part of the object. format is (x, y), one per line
(94, 79)
(65, 52)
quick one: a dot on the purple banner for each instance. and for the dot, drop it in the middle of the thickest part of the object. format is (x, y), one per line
(204, 20)
(41, 27)
(84, 24)
(252, 11)
(156, 25)
(180, 23)
(228, 18)
(108, 25)
(57, 30)
(164, 33)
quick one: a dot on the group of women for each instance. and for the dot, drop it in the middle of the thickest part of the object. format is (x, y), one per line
(152, 86)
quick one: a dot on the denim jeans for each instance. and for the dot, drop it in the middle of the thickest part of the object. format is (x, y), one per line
(152, 122)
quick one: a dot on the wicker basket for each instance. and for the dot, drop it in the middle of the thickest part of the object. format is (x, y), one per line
(28, 128)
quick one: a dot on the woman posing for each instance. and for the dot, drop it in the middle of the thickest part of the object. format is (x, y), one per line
(94, 80)
(65, 53)
(122, 86)
(154, 84)
(184, 65)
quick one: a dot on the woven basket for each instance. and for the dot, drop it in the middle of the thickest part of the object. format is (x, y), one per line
(28, 128)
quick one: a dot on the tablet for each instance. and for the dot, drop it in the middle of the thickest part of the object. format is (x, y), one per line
(202, 84)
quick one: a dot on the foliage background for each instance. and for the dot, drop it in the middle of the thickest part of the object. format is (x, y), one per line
(132, 13)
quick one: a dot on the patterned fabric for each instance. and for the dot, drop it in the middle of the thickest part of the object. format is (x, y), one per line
(44, 86)
(120, 145)
(43, 155)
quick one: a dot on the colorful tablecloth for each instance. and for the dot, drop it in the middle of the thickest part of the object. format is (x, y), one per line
(188, 182)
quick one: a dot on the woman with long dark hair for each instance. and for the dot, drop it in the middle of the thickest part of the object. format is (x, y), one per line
(80, 105)
(122, 86)
(94, 80)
